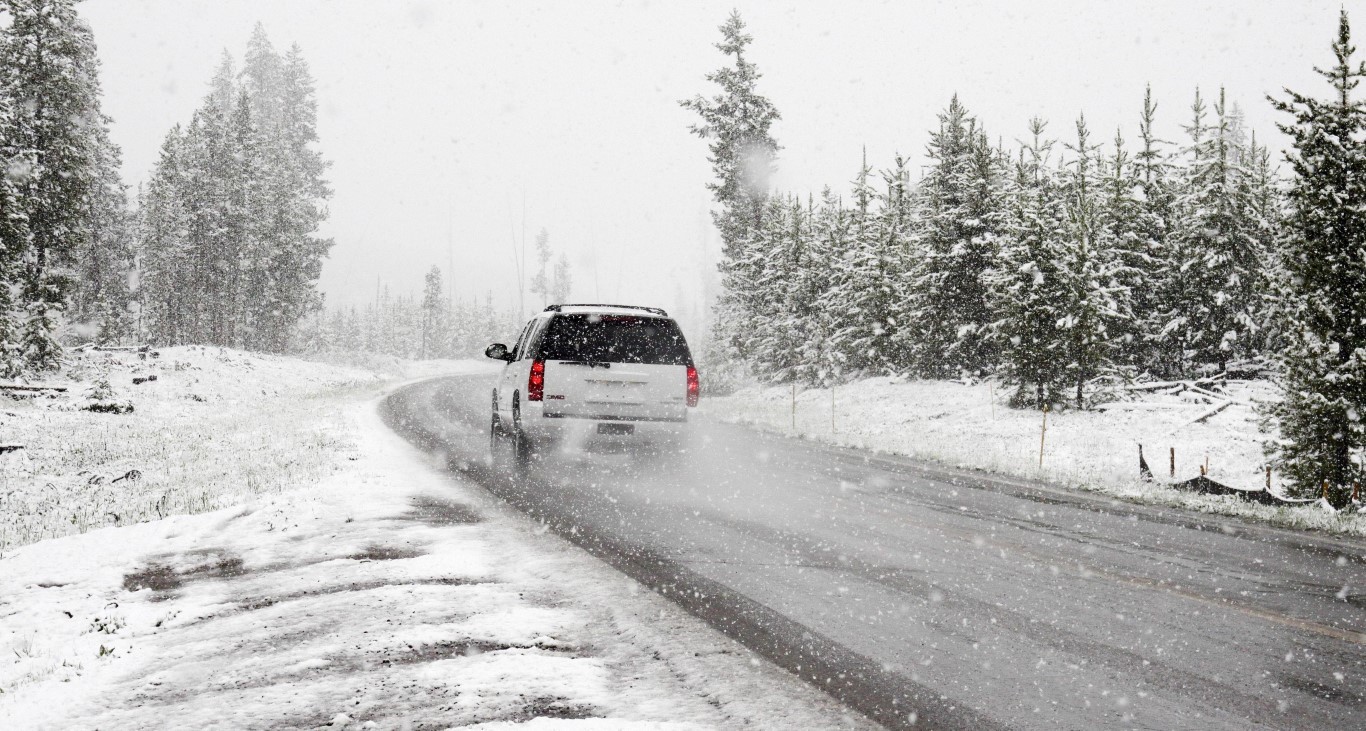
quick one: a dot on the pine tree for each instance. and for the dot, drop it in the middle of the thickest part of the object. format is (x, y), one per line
(540, 282)
(753, 291)
(1220, 244)
(1153, 259)
(806, 323)
(786, 305)
(262, 79)
(563, 282)
(847, 283)
(1264, 210)
(49, 76)
(1124, 229)
(869, 290)
(246, 246)
(1027, 283)
(963, 215)
(1322, 432)
(823, 361)
(229, 218)
(736, 121)
(163, 238)
(433, 315)
(16, 164)
(1091, 271)
(208, 156)
(298, 208)
(102, 295)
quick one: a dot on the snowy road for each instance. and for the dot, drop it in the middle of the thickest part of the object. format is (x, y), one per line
(920, 594)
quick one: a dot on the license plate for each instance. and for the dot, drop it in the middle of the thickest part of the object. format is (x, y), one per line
(616, 428)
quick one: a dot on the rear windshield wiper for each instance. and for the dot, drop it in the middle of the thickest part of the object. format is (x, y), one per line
(589, 363)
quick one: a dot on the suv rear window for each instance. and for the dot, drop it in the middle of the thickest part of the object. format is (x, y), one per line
(615, 339)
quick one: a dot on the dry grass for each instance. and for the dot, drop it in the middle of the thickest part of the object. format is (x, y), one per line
(216, 426)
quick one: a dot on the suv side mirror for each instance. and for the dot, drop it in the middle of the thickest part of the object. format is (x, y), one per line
(498, 351)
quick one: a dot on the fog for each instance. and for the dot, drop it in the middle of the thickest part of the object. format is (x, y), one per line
(456, 130)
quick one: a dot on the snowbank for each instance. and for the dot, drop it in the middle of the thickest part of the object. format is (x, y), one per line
(970, 426)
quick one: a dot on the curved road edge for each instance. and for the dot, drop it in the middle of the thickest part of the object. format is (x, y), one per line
(860, 683)
(881, 693)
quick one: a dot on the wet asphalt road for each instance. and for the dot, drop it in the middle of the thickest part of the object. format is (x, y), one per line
(925, 597)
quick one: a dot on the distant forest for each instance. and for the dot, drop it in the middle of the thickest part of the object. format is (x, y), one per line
(221, 248)
(1065, 264)
(1051, 263)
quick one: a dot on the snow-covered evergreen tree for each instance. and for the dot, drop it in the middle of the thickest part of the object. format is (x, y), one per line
(869, 293)
(563, 282)
(817, 294)
(736, 122)
(298, 206)
(433, 315)
(246, 245)
(1152, 258)
(1265, 209)
(1220, 243)
(1135, 267)
(49, 77)
(1028, 288)
(1322, 418)
(163, 237)
(962, 218)
(774, 326)
(541, 280)
(16, 164)
(263, 80)
(752, 294)
(1091, 269)
(104, 262)
(229, 218)
(208, 154)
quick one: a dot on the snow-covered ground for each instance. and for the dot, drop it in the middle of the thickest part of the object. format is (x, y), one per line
(215, 426)
(370, 589)
(971, 426)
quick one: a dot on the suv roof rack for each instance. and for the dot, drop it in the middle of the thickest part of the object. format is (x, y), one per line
(655, 310)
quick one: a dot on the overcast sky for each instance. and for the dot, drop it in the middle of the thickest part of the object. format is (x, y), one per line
(446, 120)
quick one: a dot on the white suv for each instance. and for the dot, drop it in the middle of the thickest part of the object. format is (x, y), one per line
(593, 373)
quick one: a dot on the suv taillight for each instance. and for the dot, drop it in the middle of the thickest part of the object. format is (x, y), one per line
(535, 383)
(694, 386)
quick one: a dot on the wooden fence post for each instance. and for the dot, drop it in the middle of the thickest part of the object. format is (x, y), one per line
(1043, 432)
(1173, 462)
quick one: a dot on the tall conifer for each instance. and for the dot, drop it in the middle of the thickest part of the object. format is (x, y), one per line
(1322, 418)
(49, 75)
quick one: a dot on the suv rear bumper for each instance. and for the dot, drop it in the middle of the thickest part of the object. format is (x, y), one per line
(605, 417)
(585, 431)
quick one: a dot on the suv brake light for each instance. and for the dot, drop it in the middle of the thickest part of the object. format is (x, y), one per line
(535, 384)
(694, 386)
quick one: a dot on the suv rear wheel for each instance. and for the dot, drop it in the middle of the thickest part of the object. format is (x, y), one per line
(495, 429)
(521, 448)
